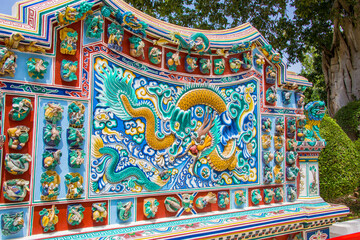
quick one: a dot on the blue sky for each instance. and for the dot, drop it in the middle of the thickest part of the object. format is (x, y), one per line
(7, 9)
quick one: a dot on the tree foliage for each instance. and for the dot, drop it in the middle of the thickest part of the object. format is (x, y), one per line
(348, 117)
(312, 70)
(338, 162)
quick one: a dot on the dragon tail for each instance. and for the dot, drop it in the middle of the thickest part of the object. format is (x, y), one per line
(97, 144)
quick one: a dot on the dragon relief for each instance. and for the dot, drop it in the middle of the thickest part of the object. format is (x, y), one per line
(314, 112)
(199, 132)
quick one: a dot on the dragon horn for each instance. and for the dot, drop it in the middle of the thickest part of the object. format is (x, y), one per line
(97, 144)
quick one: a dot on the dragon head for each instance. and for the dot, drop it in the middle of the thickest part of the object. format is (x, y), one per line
(315, 110)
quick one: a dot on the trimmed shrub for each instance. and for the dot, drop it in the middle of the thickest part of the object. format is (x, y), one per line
(338, 162)
(348, 117)
(357, 145)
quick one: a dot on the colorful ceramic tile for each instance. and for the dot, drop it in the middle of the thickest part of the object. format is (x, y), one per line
(279, 174)
(219, 66)
(187, 202)
(224, 199)
(69, 38)
(155, 55)
(271, 96)
(76, 158)
(75, 214)
(279, 157)
(137, 47)
(240, 197)
(268, 157)
(270, 75)
(300, 99)
(68, 70)
(12, 223)
(7, 62)
(266, 141)
(286, 97)
(247, 60)
(50, 185)
(150, 207)
(173, 60)
(75, 137)
(266, 124)
(279, 194)
(17, 163)
(291, 193)
(256, 196)
(172, 204)
(15, 189)
(52, 135)
(268, 195)
(53, 112)
(205, 65)
(51, 158)
(292, 173)
(74, 184)
(94, 26)
(99, 212)
(235, 64)
(76, 113)
(49, 218)
(278, 142)
(116, 36)
(37, 67)
(124, 210)
(190, 63)
(268, 176)
(18, 137)
(21, 107)
(202, 202)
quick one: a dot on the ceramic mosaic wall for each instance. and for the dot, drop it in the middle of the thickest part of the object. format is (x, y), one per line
(110, 119)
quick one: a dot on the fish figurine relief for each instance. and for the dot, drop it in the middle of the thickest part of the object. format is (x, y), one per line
(202, 202)
(172, 204)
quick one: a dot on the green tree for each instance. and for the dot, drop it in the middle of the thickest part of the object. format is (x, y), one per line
(312, 70)
(330, 26)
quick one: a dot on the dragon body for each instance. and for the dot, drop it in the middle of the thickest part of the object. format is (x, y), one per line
(198, 42)
(118, 96)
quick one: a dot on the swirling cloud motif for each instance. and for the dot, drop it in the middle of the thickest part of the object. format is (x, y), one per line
(135, 129)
